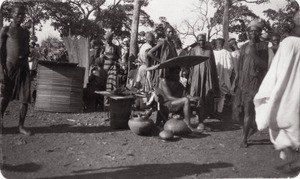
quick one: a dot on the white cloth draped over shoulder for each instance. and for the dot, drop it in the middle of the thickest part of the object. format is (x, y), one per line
(224, 65)
(277, 102)
(143, 76)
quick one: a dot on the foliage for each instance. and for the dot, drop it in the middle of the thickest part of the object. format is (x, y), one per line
(118, 18)
(238, 16)
(36, 14)
(88, 18)
(281, 20)
(53, 46)
(73, 17)
(202, 22)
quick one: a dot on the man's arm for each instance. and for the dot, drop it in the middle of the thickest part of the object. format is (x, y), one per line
(3, 70)
(153, 50)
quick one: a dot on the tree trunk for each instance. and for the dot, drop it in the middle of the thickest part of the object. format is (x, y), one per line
(133, 51)
(226, 21)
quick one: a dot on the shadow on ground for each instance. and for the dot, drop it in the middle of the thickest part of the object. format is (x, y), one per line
(260, 142)
(221, 126)
(165, 171)
(26, 167)
(62, 128)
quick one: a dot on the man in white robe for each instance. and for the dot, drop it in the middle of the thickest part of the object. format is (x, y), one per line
(277, 102)
(224, 65)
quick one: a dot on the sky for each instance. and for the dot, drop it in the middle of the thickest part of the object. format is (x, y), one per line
(176, 11)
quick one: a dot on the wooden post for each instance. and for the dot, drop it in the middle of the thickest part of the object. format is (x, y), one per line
(133, 51)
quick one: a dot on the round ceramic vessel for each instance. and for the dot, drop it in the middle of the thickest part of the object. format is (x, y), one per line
(177, 126)
(141, 125)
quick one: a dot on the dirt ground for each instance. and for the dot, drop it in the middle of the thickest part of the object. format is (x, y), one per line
(84, 146)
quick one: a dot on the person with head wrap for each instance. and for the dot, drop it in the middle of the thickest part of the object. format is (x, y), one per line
(204, 81)
(169, 90)
(277, 103)
(110, 54)
(143, 80)
(253, 65)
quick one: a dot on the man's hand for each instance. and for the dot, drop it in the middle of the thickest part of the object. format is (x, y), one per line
(152, 67)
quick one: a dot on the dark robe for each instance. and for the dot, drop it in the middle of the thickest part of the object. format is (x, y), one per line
(204, 80)
(251, 72)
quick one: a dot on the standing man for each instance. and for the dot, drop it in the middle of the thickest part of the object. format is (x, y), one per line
(204, 80)
(253, 65)
(277, 102)
(143, 80)
(15, 74)
(224, 68)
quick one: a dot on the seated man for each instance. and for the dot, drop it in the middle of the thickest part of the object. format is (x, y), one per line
(169, 96)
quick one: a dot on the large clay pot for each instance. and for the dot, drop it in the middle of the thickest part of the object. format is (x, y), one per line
(177, 126)
(141, 125)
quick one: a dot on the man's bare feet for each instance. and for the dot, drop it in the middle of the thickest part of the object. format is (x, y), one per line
(24, 131)
(252, 132)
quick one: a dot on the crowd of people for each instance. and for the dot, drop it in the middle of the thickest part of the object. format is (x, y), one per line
(231, 71)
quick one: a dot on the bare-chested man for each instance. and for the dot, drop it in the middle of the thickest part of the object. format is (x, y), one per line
(14, 71)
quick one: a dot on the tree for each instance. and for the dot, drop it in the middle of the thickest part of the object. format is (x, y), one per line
(90, 18)
(281, 20)
(226, 9)
(75, 17)
(134, 30)
(202, 22)
(239, 16)
(36, 14)
(118, 17)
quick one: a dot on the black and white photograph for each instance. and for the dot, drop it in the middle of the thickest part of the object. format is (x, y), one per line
(154, 89)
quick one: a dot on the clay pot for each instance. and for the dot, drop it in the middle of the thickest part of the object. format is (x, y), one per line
(166, 135)
(141, 125)
(177, 126)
